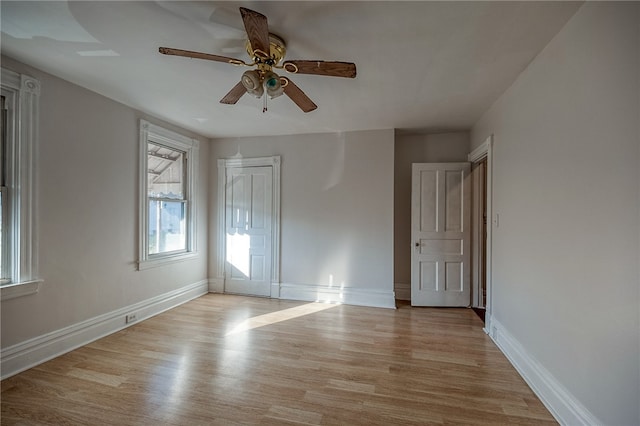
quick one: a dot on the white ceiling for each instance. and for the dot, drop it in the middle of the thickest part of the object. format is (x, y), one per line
(422, 66)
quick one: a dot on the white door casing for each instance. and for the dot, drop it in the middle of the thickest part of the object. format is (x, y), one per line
(440, 234)
(248, 246)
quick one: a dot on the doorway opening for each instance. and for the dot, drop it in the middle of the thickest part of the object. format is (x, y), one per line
(481, 159)
(479, 173)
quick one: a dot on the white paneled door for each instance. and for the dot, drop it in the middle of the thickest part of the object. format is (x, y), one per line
(248, 227)
(440, 234)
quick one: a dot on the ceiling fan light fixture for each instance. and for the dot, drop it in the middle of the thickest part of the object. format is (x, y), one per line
(272, 84)
(251, 82)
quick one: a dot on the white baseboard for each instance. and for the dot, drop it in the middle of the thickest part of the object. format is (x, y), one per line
(403, 291)
(35, 351)
(275, 290)
(216, 285)
(565, 407)
(348, 296)
(487, 323)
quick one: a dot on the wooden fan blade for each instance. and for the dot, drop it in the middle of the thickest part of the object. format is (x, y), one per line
(298, 96)
(199, 55)
(331, 69)
(234, 94)
(257, 30)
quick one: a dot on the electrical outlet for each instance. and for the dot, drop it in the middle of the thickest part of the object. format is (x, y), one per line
(131, 318)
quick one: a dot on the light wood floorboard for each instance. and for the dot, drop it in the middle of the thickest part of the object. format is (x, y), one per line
(232, 360)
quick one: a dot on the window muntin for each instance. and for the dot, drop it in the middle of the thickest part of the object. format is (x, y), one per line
(167, 205)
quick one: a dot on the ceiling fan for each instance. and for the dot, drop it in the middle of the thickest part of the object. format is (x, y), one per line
(267, 52)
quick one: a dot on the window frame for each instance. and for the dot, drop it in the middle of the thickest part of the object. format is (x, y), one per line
(151, 133)
(5, 269)
(22, 95)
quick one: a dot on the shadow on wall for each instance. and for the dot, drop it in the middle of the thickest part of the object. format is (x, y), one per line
(335, 174)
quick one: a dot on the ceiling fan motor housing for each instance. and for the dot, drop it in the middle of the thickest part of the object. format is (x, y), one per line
(277, 50)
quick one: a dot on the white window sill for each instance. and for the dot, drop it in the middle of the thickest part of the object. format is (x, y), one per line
(25, 288)
(166, 260)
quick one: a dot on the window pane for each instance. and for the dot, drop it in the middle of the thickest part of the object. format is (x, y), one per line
(2, 239)
(3, 142)
(165, 172)
(166, 226)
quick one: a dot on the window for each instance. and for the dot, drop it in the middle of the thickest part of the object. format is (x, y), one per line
(167, 199)
(167, 205)
(5, 274)
(18, 142)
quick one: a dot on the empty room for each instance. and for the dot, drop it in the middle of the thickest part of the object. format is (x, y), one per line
(320, 212)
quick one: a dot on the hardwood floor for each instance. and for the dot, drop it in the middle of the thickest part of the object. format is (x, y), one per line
(229, 360)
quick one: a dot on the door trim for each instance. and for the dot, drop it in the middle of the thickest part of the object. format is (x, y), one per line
(485, 150)
(224, 164)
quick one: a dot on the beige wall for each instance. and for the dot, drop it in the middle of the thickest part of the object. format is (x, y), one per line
(336, 206)
(88, 214)
(416, 148)
(566, 187)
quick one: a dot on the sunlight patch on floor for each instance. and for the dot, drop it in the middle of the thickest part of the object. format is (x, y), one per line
(279, 316)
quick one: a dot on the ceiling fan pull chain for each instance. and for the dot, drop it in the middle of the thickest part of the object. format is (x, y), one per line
(264, 103)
